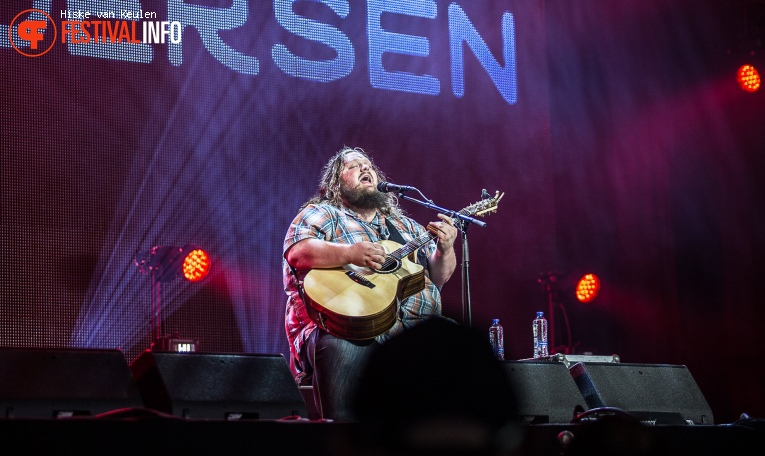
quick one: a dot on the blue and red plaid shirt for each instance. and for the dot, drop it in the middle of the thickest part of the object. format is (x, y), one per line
(329, 223)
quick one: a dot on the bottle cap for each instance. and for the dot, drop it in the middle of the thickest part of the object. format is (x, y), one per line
(495, 321)
(540, 314)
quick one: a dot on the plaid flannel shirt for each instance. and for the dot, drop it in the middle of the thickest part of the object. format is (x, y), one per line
(327, 222)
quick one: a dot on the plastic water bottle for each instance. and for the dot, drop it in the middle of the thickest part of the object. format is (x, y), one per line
(539, 328)
(497, 339)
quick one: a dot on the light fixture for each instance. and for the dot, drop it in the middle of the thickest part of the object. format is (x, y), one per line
(749, 78)
(749, 44)
(587, 287)
(164, 264)
(562, 288)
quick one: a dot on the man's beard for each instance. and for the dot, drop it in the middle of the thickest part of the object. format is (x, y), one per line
(361, 198)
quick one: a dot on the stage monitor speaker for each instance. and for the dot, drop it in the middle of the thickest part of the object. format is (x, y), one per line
(545, 391)
(60, 383)
(653, 393)
(218, 386)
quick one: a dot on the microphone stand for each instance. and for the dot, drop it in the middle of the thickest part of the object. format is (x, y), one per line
(462, 222)
(466, 304)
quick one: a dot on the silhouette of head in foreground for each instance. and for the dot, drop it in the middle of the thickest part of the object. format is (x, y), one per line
(436, 388)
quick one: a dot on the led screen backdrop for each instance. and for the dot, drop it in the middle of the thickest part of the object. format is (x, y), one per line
(218, 135)
(612, 127)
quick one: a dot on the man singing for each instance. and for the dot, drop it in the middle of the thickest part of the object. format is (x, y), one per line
(341, 226)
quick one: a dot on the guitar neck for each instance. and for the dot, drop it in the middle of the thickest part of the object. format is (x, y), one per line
(419, 241)
(413, 245)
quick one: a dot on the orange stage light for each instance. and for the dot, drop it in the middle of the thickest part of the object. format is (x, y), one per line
(587, 287)
(749, 78)
(196, 265)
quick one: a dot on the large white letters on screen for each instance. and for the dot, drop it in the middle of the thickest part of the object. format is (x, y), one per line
(315, 70)
(462, 30)
(208, 21)
(129, 52)
(382, 41)
(42, 5)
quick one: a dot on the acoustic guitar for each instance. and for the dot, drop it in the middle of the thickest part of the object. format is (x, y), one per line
(356, 302)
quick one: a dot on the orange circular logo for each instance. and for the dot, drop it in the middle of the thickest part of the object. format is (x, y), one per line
(32, 31)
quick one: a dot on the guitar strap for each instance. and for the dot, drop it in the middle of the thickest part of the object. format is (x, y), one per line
(298, 282)
(395, 235)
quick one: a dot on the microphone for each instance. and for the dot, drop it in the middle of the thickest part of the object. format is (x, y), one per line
(387, 187)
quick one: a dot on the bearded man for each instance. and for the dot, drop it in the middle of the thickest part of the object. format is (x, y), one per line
(343, 225)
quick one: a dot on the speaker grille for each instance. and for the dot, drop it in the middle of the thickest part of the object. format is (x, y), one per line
(218, 386)
(546, 392)
(653, 393)
(657, 393)
(53, 383)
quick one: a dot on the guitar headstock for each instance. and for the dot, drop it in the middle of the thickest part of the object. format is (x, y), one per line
(486, 206)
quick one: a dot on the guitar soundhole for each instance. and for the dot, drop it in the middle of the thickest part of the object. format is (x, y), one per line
(390, 265)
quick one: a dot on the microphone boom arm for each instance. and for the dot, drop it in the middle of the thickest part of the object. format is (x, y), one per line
(466, 219)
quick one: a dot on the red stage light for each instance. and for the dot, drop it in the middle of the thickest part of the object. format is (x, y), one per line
(587, 287)
(196, 265)
(749, 78)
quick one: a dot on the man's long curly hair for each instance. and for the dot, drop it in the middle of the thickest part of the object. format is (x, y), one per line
(329, 183)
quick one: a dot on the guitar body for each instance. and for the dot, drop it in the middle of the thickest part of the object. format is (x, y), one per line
(361, 303)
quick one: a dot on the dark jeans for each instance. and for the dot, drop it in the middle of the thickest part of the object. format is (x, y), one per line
(337, 366)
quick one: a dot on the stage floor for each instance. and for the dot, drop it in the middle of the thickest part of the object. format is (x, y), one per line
(159, 435)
